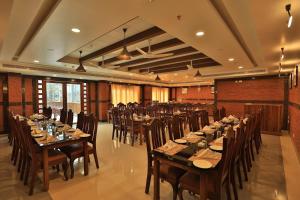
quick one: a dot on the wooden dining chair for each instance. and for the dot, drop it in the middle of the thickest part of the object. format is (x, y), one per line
(63, 115)
(79, 124)
(117, 123)
(194, 121)
(34, 157)
(130, 126)
(175, 127)
(204, 118)
(218, 177)
(75, 151)
(216, 115)
(222, 112)
(70, 117)
(155, 137)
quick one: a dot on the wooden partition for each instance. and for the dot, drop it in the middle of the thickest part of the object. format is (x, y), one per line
(195, 94)
(233, 94)
(104, 98)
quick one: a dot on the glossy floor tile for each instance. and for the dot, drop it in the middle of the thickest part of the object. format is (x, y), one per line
(122, 174)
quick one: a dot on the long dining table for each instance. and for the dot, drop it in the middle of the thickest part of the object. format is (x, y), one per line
(58, 140)
(182, 160)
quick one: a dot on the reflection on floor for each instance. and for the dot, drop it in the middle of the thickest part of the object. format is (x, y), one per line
(122, 175)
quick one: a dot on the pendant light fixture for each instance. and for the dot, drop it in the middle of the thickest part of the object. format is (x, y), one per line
(124, 55)
(198, 74)
(80, 68)
(157, 78)
(290, 21)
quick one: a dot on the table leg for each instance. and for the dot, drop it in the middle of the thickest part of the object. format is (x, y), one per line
(85, 151)
(141, 134)
(156, 169)
(46, 171)
(203, 187)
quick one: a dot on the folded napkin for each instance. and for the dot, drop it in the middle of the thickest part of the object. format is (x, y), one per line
(171, 148)
(218, 141)
(217, 124)
(245, 120)
(46, 139)
(207, 154)
(134, 115)
(208, 130)
(77, 133)
(192, 138)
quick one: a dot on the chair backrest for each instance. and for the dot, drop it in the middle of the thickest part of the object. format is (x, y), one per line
(222, 113)
(175, 127)
(154, 136)
(70, 117)
(116, 117)
(79, 124)
(228, 148)
(86, 121)
(204, 118)
(63, 115)
(240, 135)
(193, 118)
(216, 115)
(92, 128)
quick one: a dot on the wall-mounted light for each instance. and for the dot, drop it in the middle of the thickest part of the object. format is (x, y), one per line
(290, 21)
(282, 53)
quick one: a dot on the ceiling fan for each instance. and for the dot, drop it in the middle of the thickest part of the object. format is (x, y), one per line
(190, 66)
(150, 54)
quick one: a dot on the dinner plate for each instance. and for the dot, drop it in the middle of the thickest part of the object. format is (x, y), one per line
(180, 141)
(216, 147)
(204, 164)
(38, 135)
(85, 135)
(198, 133)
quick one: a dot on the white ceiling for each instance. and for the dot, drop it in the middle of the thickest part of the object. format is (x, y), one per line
(261, 24)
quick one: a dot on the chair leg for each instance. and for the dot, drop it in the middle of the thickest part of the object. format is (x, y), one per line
(16, 155)
(125, 135)
(132, 138)
(227, 187)
(148, 180)
(233, 183)
(96, 159)
(13, 151)
(113, 133)
(21, 160)
(175, 191)
(238, 170)
(72, 167)
(180, 191)
(251, 150)
(65, 168)
(33, 176)
(27, 170)
(23, 167)
(244, 166)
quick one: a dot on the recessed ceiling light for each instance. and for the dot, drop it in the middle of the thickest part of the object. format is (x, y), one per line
(175, 74)
(131, 74)
(186, 76)
(75, 30)
(230, 59)
(36, 61)
(241, 67)
(54, 75)
(199, 33)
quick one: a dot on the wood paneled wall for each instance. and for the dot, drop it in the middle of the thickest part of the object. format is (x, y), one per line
(294, 116)
(195, 94)
(147, 94)
(104, 98)
(16, 95)
(234, 93)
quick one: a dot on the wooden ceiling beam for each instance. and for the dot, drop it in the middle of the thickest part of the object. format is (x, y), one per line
(174, 65)
(155, 47)
(176, 52)
(169, 61)
(208, 64)
(144, 35)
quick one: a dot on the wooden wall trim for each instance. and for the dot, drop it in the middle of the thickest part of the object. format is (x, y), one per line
(250, 101)
(34, 95)
(97, 100)
(5, 103)
(253, 78)
(197, 99)
(285, 104)
(23, 97)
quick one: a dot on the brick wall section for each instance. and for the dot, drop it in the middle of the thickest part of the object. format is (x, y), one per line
(14, 83)
(92, 97)
(232, 95)
(195, 94)
(1, 103)
(28, 97)
(294, 116)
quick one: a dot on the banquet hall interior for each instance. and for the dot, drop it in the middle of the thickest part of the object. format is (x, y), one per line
(149, 99)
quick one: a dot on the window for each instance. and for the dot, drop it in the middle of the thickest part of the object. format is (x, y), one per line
(160, 94)
(125, 94)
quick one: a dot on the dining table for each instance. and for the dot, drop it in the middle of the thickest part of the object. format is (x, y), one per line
(192, 150)
(49, 134)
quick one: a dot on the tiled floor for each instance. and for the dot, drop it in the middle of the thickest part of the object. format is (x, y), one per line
(122, 175)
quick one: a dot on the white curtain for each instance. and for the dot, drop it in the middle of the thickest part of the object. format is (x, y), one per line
(160, 94)
(125, 94)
